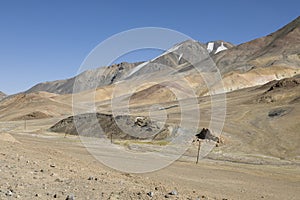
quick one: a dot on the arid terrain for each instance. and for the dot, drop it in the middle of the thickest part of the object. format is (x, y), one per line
(41, 165)
(256, 101)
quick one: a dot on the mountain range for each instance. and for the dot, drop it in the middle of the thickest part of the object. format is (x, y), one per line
(256, 62)
(260, 79)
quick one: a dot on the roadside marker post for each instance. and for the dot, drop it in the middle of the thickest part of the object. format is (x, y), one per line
(198, 151)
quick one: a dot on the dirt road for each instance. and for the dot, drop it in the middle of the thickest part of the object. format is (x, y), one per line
(49, 166)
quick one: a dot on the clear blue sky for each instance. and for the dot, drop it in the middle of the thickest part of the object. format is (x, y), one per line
(48, 40)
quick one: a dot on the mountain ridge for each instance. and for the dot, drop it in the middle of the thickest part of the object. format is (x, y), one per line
(278, 50)
(246, 56)
(104, 76)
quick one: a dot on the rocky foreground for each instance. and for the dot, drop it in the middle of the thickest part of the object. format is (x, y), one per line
(31, 170)
(49, 166)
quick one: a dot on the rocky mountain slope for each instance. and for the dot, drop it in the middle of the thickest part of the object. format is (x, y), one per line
(36, 105)
(280, 48)
(103, 76)
(112, 127)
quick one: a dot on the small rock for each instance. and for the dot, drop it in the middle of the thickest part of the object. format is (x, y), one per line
(114, 196)
(91, 178)
(174, 192)
(150, 194)
(9, 193)
(55, 196)
(52, 165)
(36, 195)
(166, 196)
(10, 189)
(70, 197)
(58, 180)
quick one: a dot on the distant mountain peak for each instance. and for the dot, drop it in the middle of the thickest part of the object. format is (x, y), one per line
(280, 48)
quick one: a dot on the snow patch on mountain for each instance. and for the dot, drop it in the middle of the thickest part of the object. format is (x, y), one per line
(210, 47)
(137, 68)
(180, 57)
(221, 48)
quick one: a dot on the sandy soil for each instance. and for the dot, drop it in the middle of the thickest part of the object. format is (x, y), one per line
(47, 165)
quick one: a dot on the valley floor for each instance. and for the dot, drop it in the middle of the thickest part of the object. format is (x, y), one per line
(45, 166)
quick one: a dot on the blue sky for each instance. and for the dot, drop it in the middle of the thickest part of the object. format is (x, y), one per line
(48, 40)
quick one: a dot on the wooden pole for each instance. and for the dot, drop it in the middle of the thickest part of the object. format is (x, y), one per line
(111, 140)
(198, 152)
